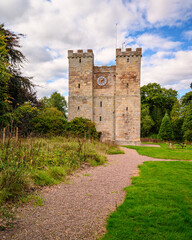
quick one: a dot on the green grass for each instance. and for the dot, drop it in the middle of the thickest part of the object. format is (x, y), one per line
(114, 149)
(158, 206)
(164, 152)
(30, 163)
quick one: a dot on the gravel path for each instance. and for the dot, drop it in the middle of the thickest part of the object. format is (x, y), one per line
(78, 210)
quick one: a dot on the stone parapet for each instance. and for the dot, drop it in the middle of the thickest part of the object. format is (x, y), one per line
(80, 53)
(128, 52)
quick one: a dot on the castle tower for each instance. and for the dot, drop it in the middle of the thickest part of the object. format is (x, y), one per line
(107, 95)
(80, 84)
(127, 103)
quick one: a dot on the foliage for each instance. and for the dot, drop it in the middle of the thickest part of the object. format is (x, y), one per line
(23, 116)
(146, 121)
(114, 149)
(15, 88)
(83, 127)
(165, 152)
(4, 76)
(187, 124)
(166, 130)
(157, 204)
(44, 162)
(57, 101)
(186, 99)
(49, 121)
(159, 100)
(177, 121)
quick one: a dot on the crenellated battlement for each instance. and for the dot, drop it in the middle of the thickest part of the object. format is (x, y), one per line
(80, 53)
(128, 52)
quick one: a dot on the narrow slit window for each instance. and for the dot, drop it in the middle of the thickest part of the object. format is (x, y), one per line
(127, 59)
(127, 85)
(101, 104)
(126, 108)
(79, 60)
(78, 108)
(79, 85)
(100, 118)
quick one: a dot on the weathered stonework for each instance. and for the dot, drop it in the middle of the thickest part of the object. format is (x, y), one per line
(114, 105)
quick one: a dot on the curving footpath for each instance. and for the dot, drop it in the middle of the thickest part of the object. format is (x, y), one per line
(78, 210)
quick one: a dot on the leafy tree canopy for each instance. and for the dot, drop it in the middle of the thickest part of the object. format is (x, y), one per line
(49, 121)
(187, 124)
(166, 130)
(159, 100)
(20, 88)
(146, 121)
(58, 101)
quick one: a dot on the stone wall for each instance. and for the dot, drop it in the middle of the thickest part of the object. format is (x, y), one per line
(104, 102)
(115, 106)
(128, 96)
(80, 84)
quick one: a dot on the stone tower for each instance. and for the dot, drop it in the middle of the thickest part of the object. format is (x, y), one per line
(107, 95)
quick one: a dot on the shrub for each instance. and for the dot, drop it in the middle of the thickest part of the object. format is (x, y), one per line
(22, 117)
(82, 127)
(50, 121)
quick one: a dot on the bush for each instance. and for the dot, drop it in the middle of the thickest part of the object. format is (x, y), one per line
(22, 117)
(50, 122)
(166, 130)
(82, 127)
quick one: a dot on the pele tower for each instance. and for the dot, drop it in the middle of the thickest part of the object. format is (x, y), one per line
(107, 95)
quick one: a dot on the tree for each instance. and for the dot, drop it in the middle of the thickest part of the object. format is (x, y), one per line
(49, 121)
(166, 131)
(186, 99)
(20, 88)
(58, 101)
(146, 121)
(187, 124)
(160, 100)
(82, 127)
(23, 117)
(177, 121)
(4, 79)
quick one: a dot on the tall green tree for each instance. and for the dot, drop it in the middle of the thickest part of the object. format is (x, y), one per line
(20, 88)
(4, 78)
(166, 130)
(187, 124)
(177, 119)
(159, 100)
(56, 100)
(146, 121)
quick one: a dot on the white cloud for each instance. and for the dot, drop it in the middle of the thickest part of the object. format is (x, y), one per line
(155, 42)
(51, 28)
(168, 12)
(173, 72)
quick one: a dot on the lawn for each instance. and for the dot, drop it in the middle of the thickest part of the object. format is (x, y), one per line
(164, 152)
(158, 205)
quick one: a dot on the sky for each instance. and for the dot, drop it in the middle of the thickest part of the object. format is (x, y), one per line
(162, 28)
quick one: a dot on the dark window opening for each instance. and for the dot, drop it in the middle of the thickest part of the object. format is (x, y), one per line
(78, 108)
(127, 59)
(126, 108)
(100, 104)
(127, 85)
(79, 60)
(79, 85)
(100, 119)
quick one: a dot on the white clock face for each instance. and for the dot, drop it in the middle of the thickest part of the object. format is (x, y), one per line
(101, 81)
